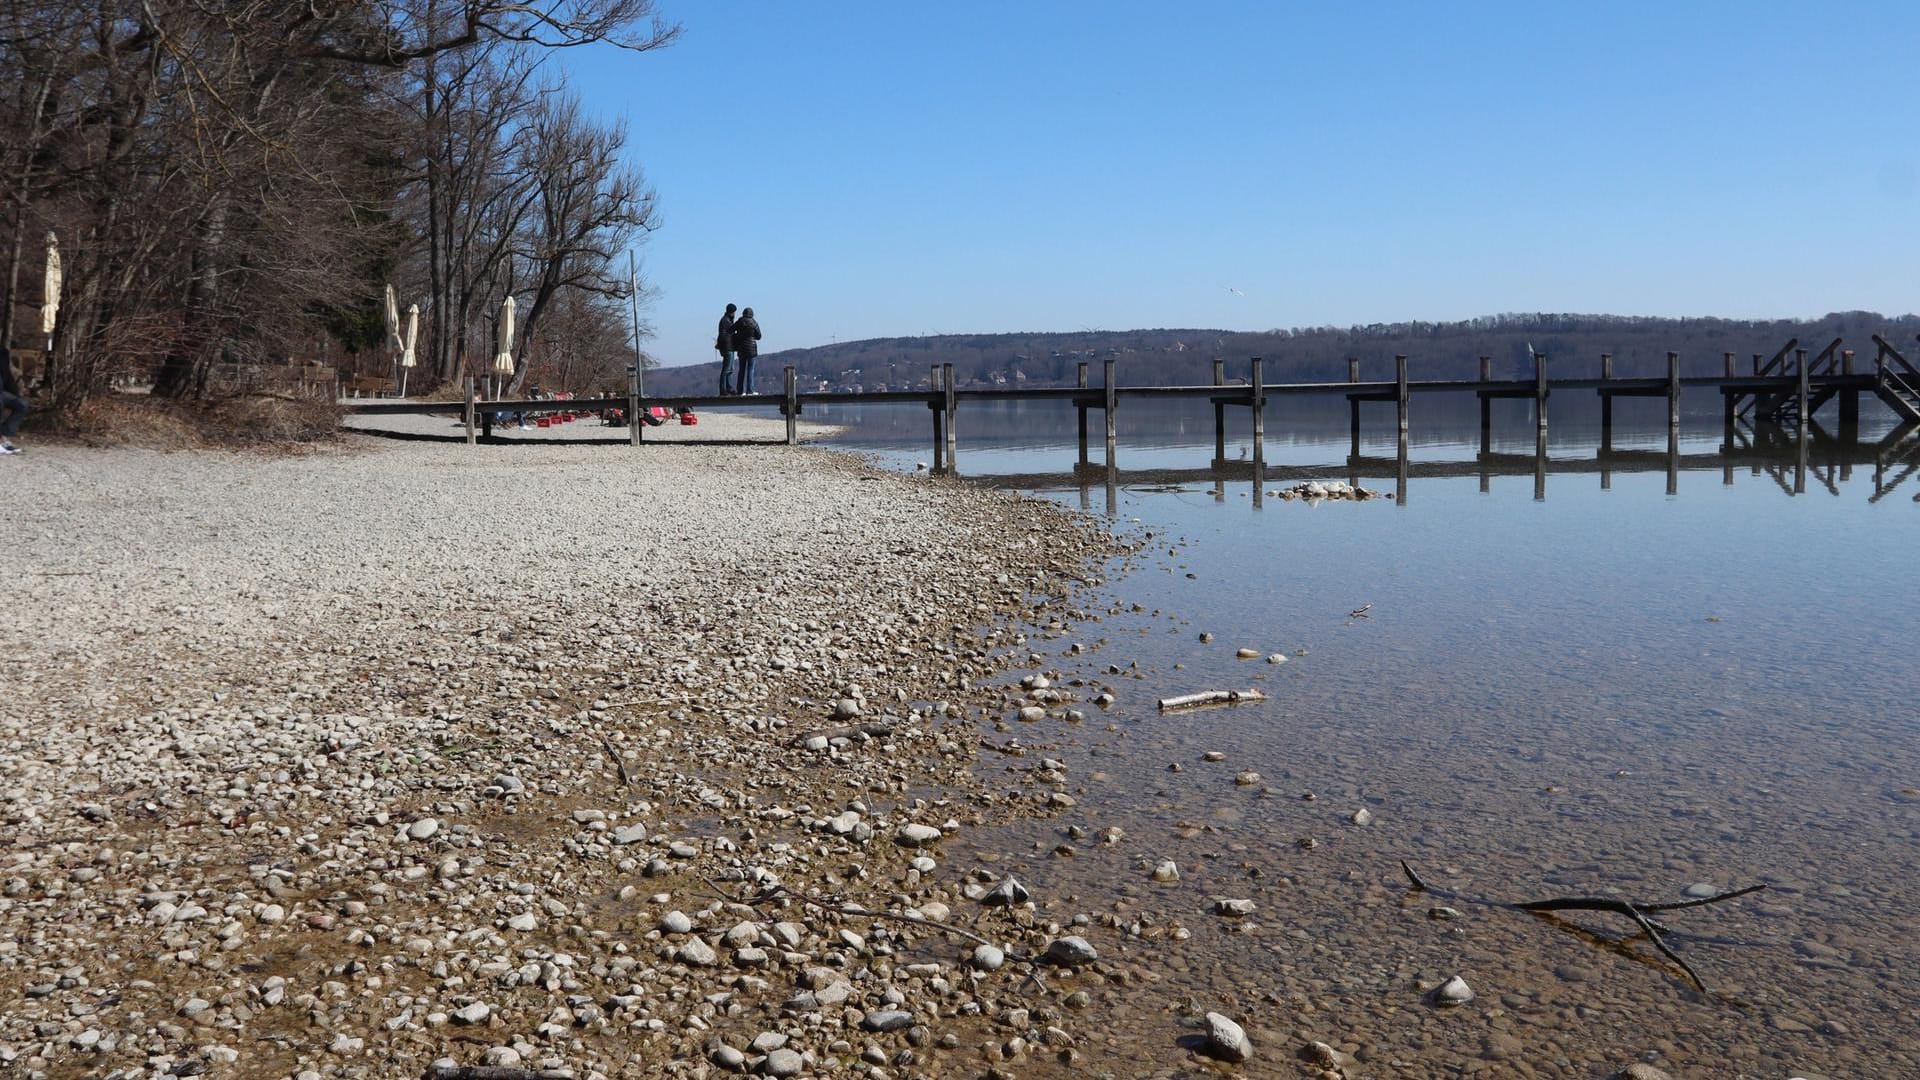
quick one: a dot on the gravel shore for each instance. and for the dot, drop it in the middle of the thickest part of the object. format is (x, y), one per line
(345, 763)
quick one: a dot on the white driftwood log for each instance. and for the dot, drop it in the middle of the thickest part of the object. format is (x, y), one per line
(1210, 697)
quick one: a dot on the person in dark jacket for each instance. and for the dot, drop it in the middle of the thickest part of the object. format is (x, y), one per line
(746, 342)
(724, 343)
(13, 403)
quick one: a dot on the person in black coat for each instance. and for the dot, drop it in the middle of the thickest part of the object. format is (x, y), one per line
(724, 343)
(746, 342)
(13, 403)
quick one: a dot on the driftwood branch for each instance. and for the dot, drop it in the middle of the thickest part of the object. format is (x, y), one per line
(1637, 912)
(617, 763)
(1209, 697)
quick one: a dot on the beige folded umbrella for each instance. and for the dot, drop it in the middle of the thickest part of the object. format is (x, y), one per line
(50, 296)
(393, 320)
(407, 343)
(503, 361)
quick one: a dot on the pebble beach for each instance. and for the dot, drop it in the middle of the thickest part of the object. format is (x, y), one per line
(402, 758)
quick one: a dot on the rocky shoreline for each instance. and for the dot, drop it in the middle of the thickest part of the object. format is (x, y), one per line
(567, 761)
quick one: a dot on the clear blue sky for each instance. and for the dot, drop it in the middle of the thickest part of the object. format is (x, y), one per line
(855, 170)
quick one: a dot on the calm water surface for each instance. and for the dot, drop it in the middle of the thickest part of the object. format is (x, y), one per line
(1571, 682)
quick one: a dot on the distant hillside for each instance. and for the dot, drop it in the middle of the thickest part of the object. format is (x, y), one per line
(1573, 343)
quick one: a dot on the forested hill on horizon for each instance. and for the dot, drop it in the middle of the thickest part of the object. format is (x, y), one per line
(1436, 350)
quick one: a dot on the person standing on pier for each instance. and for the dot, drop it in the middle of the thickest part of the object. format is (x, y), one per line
(746, 342)
(724, 343)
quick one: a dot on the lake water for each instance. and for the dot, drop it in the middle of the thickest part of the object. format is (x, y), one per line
(1614, 675)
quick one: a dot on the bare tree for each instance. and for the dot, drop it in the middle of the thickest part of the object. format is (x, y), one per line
(586, 210)
(221, 171)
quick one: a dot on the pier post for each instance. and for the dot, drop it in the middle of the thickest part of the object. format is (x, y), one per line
(1486, 409)
(936, 404)
(1800, 361)
(1219, 415)
(792, 408)
(633, 407)
(1112, 398)
(1353, 408)
(1673, 391)
(470, 410)
(1606, 412)
(1400, 392)
(1849, 402)
(1540, 391)
(1728, 411)
(953, 403)
(1080, 408)
(1259, 429)
(1606, 424)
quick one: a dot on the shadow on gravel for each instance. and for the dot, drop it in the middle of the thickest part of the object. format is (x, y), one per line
(494, 440)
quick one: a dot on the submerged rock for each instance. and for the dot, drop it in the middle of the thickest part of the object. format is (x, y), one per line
(1006, 894)
(1069, 952)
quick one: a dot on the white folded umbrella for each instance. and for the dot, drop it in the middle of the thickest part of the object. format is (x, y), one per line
(503, 362)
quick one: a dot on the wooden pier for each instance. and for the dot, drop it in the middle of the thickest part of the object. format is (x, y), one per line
(1785, 390)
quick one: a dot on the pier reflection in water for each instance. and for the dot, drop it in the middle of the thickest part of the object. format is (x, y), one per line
(1767, 451)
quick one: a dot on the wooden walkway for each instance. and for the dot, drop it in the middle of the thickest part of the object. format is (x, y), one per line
(1786, 390)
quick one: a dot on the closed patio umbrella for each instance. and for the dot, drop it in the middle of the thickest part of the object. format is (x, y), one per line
(503, 361)
(406, 345)
(50, 294)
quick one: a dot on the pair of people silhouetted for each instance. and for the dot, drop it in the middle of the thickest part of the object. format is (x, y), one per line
(738, 337)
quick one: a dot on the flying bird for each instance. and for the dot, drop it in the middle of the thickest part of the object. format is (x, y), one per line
(1233, 290)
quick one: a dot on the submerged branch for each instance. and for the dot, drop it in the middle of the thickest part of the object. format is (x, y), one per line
(1637, 912)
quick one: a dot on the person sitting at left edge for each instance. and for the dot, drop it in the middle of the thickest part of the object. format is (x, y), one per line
(13, 403)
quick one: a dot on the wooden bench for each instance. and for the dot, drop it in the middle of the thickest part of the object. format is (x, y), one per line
(368, 386)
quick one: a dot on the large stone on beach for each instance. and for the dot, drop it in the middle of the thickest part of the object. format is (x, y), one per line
(887, 1020)
(917, 835)
(697, 953)
(1226, 1040)
(1454, 991)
